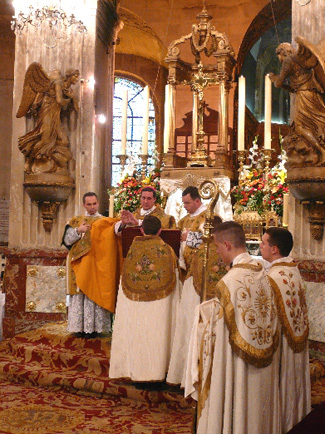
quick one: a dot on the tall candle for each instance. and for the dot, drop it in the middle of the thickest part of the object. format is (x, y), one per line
(145, 121)
(285, 209)
(124, 121)
(111, 206)
(268, 112)
(241, 113)
(167, 119)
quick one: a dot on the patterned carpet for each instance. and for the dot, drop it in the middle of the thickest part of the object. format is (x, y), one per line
(41, 410)
(78, 397)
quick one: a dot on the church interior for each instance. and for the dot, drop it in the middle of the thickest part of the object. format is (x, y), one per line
(165, 93)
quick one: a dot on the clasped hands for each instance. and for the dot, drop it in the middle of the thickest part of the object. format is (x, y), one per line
(83, 228)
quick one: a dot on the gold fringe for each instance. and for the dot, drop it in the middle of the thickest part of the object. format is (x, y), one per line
(248, 353)
(296, 343)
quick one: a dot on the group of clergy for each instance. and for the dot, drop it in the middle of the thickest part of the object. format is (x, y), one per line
(242, 354)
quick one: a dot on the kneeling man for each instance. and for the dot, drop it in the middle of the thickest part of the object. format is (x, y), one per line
(146, 308)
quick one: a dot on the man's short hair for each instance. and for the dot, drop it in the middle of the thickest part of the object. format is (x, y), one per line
(217, 220)
(151, 225)
(88, 194)
(232, 232)
(193, 192)
(150, 189)
(281, 238)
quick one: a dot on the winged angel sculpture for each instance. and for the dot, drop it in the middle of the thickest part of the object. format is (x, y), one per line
(46, 98)
(303, 72)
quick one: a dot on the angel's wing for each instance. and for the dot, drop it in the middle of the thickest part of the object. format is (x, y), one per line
(36, 81)
(312, 56)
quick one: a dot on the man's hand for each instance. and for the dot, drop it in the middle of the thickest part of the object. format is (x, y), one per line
(83, 228)
(184, 234)
(128, 218)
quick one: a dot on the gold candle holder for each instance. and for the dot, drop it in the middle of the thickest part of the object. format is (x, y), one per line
(267, 158)
(241, 161)
(122, 158)
(144, 161)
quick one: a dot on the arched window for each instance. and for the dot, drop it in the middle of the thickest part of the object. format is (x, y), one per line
(134, 126)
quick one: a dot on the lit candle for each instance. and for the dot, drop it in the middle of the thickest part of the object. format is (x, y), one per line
(241, 113)
(145, 121)
(167, 120)
(124, 121)
(268, 112)
(111, 206)
(285, 209)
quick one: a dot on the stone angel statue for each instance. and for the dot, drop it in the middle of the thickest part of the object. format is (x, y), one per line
(303, 73)
(46, 97)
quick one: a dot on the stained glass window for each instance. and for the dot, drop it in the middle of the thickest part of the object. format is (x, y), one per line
(134, 126)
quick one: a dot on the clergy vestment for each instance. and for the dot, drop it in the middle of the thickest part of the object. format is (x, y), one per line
(233, 361)
(167, 221)
(93, 267)
(146, 311)
(289, 291)
(190, 298)
(194, 224)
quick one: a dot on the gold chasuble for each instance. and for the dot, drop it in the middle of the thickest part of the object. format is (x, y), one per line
(149, 269)
(167, 221)
(96, 260)
(290, 298)
(216, 269)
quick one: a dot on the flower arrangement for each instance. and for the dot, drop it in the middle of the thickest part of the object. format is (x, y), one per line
(128, 191)
(258, 192)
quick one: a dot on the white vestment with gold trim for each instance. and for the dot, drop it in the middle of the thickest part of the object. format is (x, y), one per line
(233, 361)
(295, 391)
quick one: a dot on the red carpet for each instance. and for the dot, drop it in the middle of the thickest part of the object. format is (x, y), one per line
(78, 397)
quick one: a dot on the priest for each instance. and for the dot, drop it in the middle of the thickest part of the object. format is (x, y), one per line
(149, 206)
(93, 264)
(146, 308)
(290, 291)
(233, 362)
(191, 226)
(190, 298)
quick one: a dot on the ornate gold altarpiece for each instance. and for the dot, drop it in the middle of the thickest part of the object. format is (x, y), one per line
(204, 40)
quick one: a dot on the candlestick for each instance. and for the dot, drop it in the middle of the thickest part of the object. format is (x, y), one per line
(124, 121)
(145, 121)
(111, 206)
(285, 209)
(241, 113)
(144, 159)
(167, 120)
(267, 159)
(122, 158)
(241, 160)
(268, 112)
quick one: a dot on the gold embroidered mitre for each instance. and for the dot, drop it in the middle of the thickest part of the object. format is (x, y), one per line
(193, 224)
(250, 313)
(167, 221)
(216, 269)
(289, 290)
(149, 269)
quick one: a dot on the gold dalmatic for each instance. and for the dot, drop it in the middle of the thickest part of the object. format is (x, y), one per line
(149, 269)
(193, 224)
(79, 249)
(290, 298)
